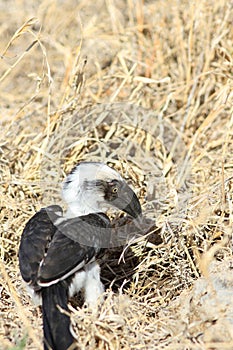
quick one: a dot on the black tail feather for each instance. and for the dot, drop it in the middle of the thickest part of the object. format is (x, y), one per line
(56, 323)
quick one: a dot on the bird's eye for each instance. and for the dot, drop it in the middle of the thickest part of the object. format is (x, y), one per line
(115, 190)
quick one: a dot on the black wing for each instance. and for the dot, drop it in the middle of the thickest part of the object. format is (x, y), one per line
(35, 240)
(75, 242)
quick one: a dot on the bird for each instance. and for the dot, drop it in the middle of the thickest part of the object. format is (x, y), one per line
(58, 252)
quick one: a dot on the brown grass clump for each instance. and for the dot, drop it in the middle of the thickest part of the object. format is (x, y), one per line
(145, 86)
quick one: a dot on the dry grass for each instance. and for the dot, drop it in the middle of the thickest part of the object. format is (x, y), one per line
(147, 87)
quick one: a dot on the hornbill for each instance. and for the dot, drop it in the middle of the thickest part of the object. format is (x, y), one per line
(57, 253)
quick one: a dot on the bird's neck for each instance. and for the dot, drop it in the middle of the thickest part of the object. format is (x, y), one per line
(76, 209)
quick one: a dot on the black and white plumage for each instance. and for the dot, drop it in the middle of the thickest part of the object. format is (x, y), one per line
(57, 253)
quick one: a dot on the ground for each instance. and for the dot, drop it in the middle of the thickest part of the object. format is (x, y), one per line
(145, 86)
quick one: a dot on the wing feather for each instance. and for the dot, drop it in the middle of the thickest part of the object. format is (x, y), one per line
(76, 242)
(49, 252)
(35, 239)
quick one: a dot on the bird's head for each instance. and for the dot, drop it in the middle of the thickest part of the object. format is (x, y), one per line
(95, 187)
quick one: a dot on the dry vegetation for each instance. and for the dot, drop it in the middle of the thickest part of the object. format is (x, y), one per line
(147, 87)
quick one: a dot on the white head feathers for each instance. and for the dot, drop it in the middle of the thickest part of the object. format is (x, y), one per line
(82, 188)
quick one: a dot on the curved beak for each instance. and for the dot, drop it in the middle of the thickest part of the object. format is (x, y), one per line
(128, 202)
